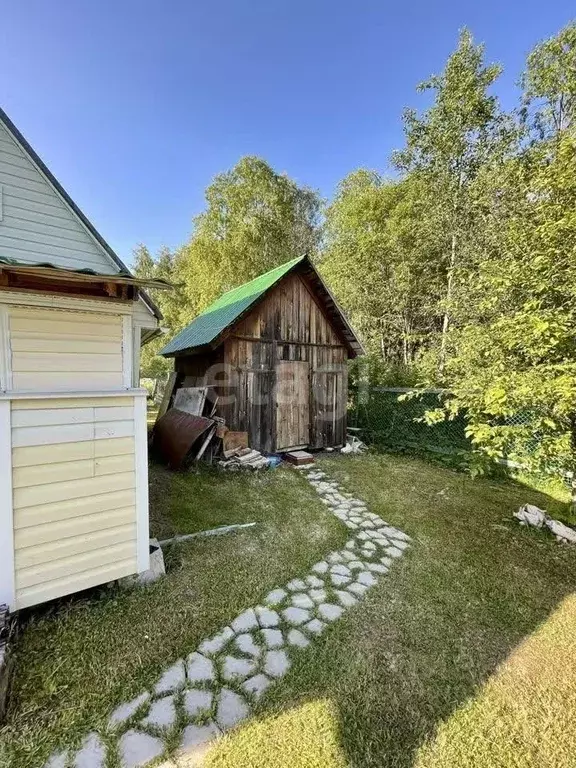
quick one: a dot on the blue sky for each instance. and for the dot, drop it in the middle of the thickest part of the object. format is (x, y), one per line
(135, 105)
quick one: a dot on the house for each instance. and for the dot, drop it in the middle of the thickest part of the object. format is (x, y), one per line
(73, 464)
(274, 351)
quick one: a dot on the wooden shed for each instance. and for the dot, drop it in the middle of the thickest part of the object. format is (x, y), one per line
(274, 352)
(73, 439)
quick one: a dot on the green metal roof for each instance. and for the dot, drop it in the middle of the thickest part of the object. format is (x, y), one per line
(226, 310)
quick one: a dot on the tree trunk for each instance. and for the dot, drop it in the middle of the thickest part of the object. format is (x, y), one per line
(573, 463)
(446, 318)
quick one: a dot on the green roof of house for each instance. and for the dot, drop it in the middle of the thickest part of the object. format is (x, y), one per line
(226, 310)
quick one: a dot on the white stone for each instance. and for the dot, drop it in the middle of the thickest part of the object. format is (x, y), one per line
(137, 748)
(363, 536)
(246, 620)
(247, 645)
(367, 524)
(234, 668)
(199, 668)
(296, 585)
(232, 709)
(370, 546)
(320, 567)
(365, 577)
(334, 557)
(318, 595)
(394, 552)
(162, 713)
(330, 611)
(297, 638)
(350, 525)
(301, 600)
(267, 617)
(356, 519)
(295, 615)
(345, 598)
(338, 580)
(195, 742)
(315, 626)
(357, 588)
(256, 685)
(347, 555)
(216, 643)
(172, 679)
(196, 701)
(127, 710)
(340, 569)
(272, 637)
(403, 545)
(275, 597)
(376, 568)
(386, 561)
(356, 565)
(276, 663)
(400, 535)
(92, 753)
(350, 544)
(57, 760)
(314, 581)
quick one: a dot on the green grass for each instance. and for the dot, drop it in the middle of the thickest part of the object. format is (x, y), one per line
(77, 659)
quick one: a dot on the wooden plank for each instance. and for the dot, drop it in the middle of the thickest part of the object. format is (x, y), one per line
(292, 404)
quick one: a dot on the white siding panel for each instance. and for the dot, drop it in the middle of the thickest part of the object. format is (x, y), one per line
(24, 477)
(70, 402)
(25, 188)
(50, 454)
(46, 416)
(74, 545)
(74, 526)
(60, 433)
(72, 489)
(65, 510)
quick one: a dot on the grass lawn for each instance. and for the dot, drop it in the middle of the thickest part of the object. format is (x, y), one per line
(462, 656)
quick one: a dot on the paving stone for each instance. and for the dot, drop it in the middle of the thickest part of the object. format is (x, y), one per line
(137, 748)
(57, 760)
(318, 595)
(400, 535)
(125, 711)
(345, 598)
(275, 597)
(216, 643)
(357, 588)
(246, 644)
(195, 742)
(196, 701)
(267, 617)
(348, 555)
(320, 567)
(295, 615)
(234, 668)
(162, 713)
(394, 552)
(355, 519)
(386, 561)
(403, 545)
(256, 685)
(172, 679)
(340, 569)
(245, 621)
(315, 626)
(276, 663)
(365, 577)
(232, 709)
(92, 753)
(301, 600)
(350, 544)
(363, 536)
(314, 581)
(330, 611)
(199, 668)
(376, 568)
(338, 580)
(297, 638)
(370, 546)
(273, 638)
(355, 565)
(350, 525)
(296, 585)
(334, 557)
(367, 524)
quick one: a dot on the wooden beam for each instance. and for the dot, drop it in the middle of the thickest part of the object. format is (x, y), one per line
(258, 340)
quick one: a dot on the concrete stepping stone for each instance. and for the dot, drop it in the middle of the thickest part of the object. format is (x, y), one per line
(340, 569)
(301, 600)
(338, 580)
(403, 545)
(376, 568)
(296, 585)
(162, 713)
(363, 536)
(400, 535)
(350, 544)
(320, 567)
(318, 595)
(367, 524)
(394, 552)
(347, 555)
(246, 644)
(297, 638)
(314, 581)
(195, 742)
(245, 621)
(199, 668)
(370, 546)
(330, 611)
(276, 663)
(197, 701)
(231, 710)
(267, 617)
(315, 626)
(234, 668)
(127, 710)
(345, 598)
(334, 557)
(357, 589)
(350, 525)
(138, 749)
(172, 679)
(365, 577)
(272, 637)
(356, 565)
(216, 643)
(295, 615)
(57, 760)
(256, 685)
(275, 597)
(92, 753)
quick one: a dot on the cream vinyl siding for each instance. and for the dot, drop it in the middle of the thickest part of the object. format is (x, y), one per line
(74, 494)
(37, 225)
(53, 349)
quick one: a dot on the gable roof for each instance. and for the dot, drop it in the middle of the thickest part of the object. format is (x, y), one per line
(37, 160)
(209, 326)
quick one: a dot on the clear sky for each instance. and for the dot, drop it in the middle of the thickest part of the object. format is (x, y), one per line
(135, 105)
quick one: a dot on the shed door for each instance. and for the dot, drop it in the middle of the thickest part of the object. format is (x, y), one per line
(330, 400)
(292, 404)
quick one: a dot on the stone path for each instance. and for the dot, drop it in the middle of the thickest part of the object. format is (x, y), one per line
(198, 698)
